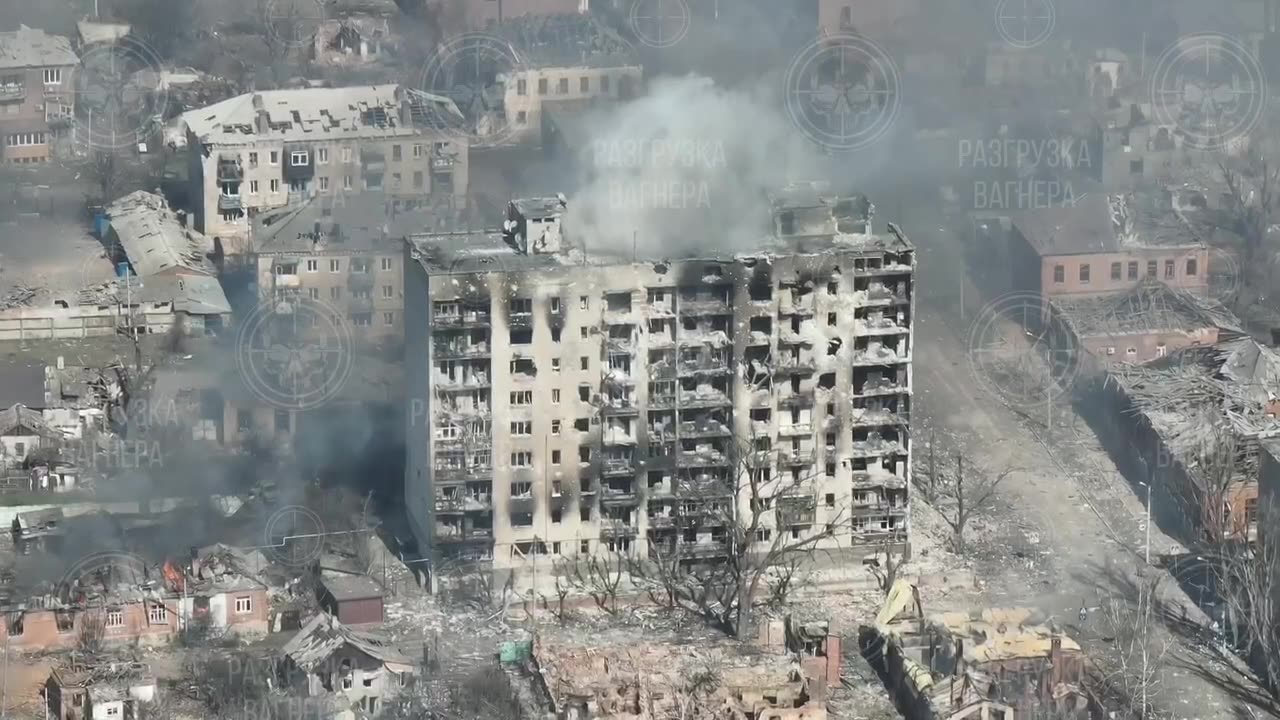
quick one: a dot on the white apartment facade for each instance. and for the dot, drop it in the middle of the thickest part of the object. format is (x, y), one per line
(559, 408)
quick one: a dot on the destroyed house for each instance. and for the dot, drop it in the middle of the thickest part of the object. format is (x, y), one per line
(269, 149)
(998, 663)
(1190, 427)
(577, 402)
(1143, 324)
(363, 668)
(220, 586)
(616, 678)
(33, 529)
(22, 431)
(356, 32)
(1104, 244)
(109, 691)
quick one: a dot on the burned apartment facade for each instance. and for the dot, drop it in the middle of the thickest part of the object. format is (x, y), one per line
(265, 150)
(561, 407)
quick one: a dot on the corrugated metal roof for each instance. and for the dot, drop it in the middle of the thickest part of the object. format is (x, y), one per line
(152, 237)
(324, 635)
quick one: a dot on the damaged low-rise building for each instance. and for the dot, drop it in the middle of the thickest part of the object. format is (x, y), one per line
(565, 402)
(1189, 427)
(997, 664)
(356, 33)
(361, 668)
(1104, 244)
(612, 677)
(268, 149)
(106, 691)
(1146, 323)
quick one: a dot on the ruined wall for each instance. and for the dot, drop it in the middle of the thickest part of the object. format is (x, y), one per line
(40, 628)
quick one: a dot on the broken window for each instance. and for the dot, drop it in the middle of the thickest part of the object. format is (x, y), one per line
(1084, 273)
(1133, 270)
(1059, 274)
(618, 302)
(1151, 268)
(64, 620)
(1115, 271)
(521, 336)
(1191, 267)
(1168, 269)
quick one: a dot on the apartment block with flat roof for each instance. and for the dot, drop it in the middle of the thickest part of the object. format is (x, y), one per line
(36, 100)
(265, 150)
(562, 404)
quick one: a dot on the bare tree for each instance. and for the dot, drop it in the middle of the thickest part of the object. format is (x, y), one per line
(762, 527)
(958, 497)
(1132, 666)
(886, 572)
(1251, 211)
(1248, 580)
(600, 576)
(91, 633)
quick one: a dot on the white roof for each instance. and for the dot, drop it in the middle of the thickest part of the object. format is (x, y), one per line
(95, 32)
(27, 47)
(309, 114)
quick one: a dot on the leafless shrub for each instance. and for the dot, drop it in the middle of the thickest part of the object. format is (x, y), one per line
(958, 496)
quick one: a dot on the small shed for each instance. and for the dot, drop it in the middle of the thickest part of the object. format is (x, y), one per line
(352, 599)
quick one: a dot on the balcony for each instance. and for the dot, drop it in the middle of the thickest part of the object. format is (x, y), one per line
(620, 344)
(707, 549)
(229, 169)
(454, 350)
(458, 505)
(618, 497)
(658, 402)
(795, 429)
(620, 406)
(704, 306)
(229, 202)
(440, 162)
(867, 417)
(615, 527)
(445, 383)
(702, 458)
(880, 386)
(880, 326)
(357, 280)
(797, 457)
(704, 365)
(878, 354)
(876, 446)
(796, 510)
(796, 400)
(661, 522)
(796, 366)
(617, 436)
(704, 428)
(470, 318)
(460, 473)
(878, 294)
(618, 466)
(704, 398)
(360, 303)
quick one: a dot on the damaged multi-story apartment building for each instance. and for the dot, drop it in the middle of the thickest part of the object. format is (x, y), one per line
(564, 402)
(265, 150)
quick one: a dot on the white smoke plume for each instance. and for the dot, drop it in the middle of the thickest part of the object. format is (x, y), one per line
(684, 170)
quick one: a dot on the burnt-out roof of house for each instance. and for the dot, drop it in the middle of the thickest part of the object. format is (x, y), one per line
(351, 587)
(1149, 307)
(18, 417)
(320, 638)
(565, 40)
